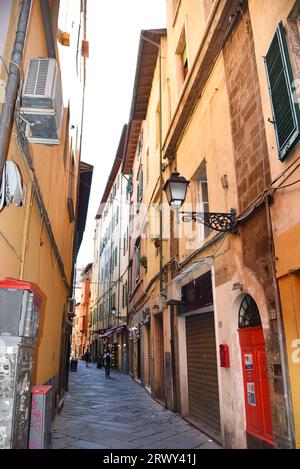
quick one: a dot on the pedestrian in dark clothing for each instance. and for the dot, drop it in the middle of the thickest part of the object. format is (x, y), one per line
(99, 361)
(107, 363)
(87, 358)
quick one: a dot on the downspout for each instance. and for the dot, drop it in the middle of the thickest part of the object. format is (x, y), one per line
(13, 82)
(46, 16)
(160, 177)
(281, 337)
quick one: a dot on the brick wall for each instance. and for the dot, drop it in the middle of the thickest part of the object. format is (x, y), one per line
(248, 132)
(253, 175)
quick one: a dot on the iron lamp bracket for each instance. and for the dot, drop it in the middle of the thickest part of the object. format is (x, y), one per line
(223, 222)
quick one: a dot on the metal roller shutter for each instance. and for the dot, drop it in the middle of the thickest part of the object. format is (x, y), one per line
(149, 357)
(202, 373)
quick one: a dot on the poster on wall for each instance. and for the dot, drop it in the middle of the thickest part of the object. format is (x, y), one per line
(251, 394)
(248, 361)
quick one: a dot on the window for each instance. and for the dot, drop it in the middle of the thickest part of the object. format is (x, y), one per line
(130, 278)
(157, 117)
(286, 114)
(116, 257)
(113, 301)
(202, 205)
(140, 145)
(125, 242)
(140, 185)
(137, 260)
(70, 199)
(126, 293)
(185, 64)
(249, 314)
(131, 218)
(129, 187)
(182, 58)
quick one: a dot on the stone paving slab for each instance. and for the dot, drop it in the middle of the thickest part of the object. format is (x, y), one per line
(118, 413)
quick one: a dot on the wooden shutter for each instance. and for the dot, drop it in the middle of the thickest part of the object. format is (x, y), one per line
(285, 107)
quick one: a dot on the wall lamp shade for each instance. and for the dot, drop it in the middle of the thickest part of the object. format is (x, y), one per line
(113, 311)
(175, 189)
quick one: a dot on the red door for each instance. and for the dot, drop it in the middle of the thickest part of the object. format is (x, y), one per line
(256, 384)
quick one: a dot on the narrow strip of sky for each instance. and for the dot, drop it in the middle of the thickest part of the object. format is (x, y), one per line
(113, 32)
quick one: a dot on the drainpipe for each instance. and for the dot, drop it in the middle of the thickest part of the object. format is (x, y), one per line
(160, 177)
(13, 81)
(281, 338)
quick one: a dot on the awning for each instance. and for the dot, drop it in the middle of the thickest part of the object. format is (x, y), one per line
(107, 333)
(114, 330)
(120, 329)
(193, 272)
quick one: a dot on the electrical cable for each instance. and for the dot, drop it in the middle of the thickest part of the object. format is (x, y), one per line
(287, 185)
(10, 245)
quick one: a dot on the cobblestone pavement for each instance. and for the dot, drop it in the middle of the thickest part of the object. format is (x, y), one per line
(101, 413)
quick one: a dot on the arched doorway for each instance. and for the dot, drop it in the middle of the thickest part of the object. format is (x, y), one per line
(255, 374)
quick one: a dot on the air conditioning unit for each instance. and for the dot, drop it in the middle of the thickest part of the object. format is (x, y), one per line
(42, 104)
(71, 307)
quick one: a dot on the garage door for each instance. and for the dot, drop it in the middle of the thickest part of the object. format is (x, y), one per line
(202, 373)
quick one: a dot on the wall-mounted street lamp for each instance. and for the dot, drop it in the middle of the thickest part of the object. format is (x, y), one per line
(176, 188)
(114, 314)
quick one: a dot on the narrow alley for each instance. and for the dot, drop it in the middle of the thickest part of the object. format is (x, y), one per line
(102, 413)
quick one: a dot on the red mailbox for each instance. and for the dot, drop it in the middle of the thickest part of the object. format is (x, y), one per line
(224, 356)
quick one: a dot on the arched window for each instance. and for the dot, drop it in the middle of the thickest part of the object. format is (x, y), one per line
(249, 314)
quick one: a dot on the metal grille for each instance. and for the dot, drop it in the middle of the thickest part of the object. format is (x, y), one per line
(149, 357)
(42, 78)
(249, 314)
(32, 76)
(202, 373)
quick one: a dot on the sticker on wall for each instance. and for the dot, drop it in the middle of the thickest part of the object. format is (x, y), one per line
(251, 394)
(248, 361)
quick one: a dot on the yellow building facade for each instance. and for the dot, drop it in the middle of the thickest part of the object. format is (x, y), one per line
(40, 238)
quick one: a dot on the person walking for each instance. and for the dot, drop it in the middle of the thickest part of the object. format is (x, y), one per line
(87, 357)
(99, 361)
(107, 363)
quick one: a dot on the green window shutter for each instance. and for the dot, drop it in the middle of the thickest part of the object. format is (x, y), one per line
(286, 113)
(140, 196)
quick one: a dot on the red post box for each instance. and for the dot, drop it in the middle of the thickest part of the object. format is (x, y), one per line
(224, 356)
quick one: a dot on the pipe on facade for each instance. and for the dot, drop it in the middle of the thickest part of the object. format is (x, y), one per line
(160, 177)
(281, 338)
(13, 82)
(46, 16)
